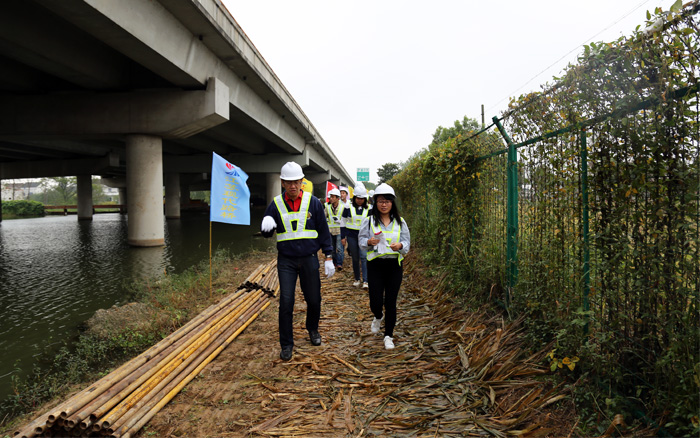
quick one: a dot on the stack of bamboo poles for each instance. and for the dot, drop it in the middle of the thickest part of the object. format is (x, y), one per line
(122, 402)
(263, 278)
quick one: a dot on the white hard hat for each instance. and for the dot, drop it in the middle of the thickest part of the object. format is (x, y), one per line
(371, 193)
(291, 171)
(345, 189)
(360, 191)
(384, 189)
(335, 192)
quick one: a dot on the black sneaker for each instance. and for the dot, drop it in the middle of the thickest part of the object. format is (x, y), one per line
(315, 338)
(286, 353)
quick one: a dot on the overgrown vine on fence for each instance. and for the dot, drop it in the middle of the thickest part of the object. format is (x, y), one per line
(636, 334)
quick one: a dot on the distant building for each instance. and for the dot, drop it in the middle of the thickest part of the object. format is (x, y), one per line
(14, 190)
(111, 193)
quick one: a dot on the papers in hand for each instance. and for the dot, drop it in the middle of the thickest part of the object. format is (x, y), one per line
(382, 247)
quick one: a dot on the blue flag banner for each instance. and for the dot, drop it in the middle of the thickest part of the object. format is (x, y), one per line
(230, 196)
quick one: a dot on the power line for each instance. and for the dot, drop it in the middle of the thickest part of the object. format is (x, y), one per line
(568, 53)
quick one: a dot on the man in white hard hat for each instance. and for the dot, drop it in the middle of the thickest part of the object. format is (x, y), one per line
(344, 194)
(353, 217)
(298, 217)
(334, 213)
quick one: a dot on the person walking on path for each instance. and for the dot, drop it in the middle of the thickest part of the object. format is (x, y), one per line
(353, 217)
(344, 193)
(386, 238)
(298, 217)
(334, 214)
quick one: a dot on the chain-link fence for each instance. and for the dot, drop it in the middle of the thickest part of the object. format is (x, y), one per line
(580, 209)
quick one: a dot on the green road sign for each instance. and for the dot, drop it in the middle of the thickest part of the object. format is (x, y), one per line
(363, 173)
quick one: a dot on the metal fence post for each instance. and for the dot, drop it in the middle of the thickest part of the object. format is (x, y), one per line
(512, 212)
(584, 214)
(452, 231)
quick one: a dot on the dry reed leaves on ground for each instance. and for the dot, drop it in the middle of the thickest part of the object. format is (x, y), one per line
(452, 373)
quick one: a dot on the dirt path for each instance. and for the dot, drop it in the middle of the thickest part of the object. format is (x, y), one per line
(451, 374)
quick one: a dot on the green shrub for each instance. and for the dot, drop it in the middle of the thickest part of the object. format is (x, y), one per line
(23, 208)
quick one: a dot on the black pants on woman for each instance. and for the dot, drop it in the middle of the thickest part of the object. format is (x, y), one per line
(385, 275)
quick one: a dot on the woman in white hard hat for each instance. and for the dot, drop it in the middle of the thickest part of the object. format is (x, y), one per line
(298, 217)
(370, 200)
(353, 217)
(386, 238)
(334, 214)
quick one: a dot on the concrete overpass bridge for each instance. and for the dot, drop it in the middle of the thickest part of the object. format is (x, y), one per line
(141, 92)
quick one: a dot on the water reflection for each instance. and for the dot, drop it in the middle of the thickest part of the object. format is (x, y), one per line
(55, 272)
(147, 262)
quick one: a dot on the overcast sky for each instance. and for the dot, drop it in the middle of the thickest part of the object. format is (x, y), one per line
(376, 78)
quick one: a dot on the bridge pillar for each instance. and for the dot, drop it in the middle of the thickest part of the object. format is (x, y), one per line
(184, 192)
(172, 195)
(274, 186)
(122, 199)
(144, 183)
(84, 197)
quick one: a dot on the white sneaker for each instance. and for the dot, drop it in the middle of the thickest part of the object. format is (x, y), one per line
(376, 323)
(365, 285)
(388, 342)
(356, 283)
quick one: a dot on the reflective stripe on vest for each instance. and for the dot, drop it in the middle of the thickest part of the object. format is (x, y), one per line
(295, 216)
(334, 219)
(356, 219)
(391, 237)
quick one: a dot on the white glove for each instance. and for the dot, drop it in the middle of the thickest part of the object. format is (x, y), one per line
(268, 224)
(330, 268)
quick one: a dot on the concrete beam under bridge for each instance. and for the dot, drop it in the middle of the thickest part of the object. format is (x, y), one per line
(50, 168)
(186, 42)
(168, 114)
(269, 163)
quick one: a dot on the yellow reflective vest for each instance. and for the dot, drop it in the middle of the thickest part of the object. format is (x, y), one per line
(390, 236)
(356, 219)
(334, 219)
(289, 217)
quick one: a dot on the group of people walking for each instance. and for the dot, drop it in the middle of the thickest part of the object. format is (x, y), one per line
(369, 225)
(346, 217)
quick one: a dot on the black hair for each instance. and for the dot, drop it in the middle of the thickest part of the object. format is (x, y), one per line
(393, 213)
(354, 203)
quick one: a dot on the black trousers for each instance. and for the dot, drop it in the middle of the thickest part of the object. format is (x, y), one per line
(385, 275)
(306, 269)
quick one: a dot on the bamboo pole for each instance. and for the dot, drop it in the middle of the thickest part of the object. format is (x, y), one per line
(150, 379)
(142, 407)
(179, 343)
(82, 398)
(173, 342)
(30, 430)
(173, 392)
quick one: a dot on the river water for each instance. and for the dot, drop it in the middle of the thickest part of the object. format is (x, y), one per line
(56, 271)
